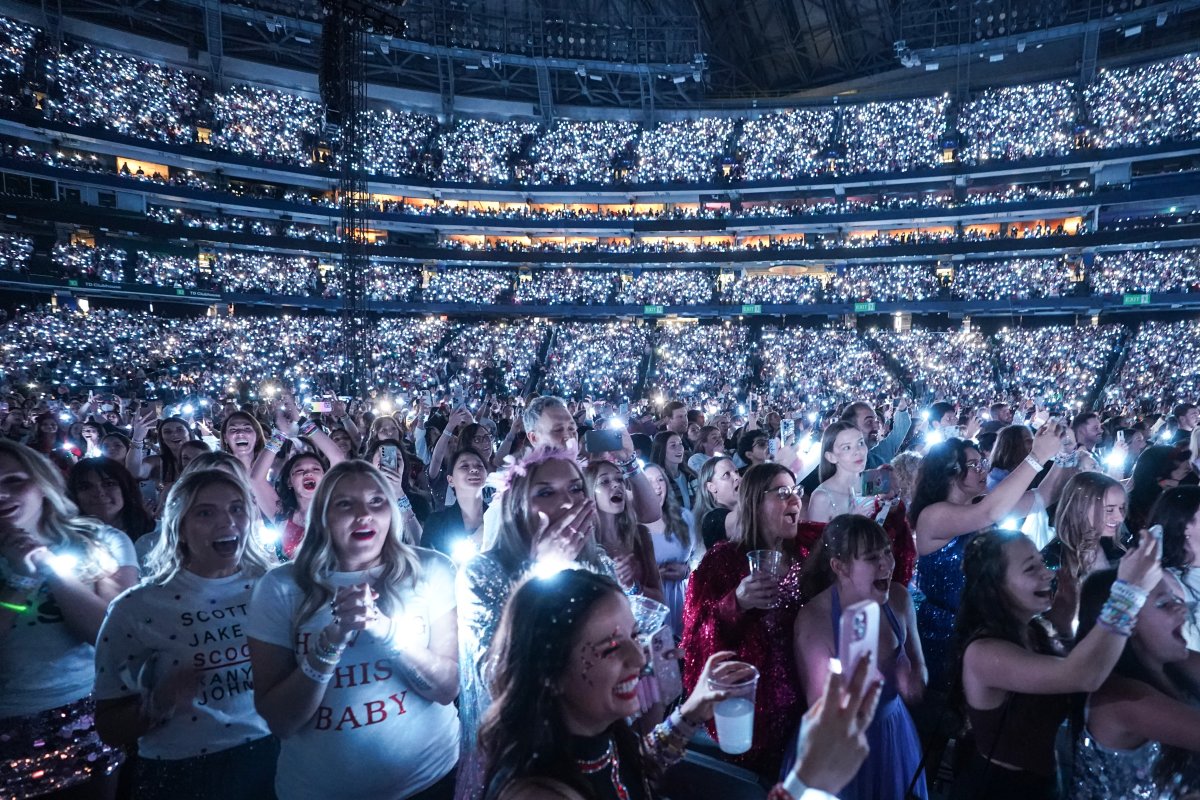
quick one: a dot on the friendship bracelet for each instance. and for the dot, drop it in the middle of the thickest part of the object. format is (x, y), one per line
(403, 503)
(276, 442)
(314, 674)
(1067, 462)
(307, 427)
(19, 582)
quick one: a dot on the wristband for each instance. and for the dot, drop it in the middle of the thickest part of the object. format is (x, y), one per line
(276, 442)
(313, 674)
(403, 503)
(1033, 462)
(1067, 462)
(21, 583)
(307, 427)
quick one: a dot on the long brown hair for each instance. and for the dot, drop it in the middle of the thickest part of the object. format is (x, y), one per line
(1079, 517)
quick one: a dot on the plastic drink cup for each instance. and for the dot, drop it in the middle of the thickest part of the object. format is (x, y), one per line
(771, 562)
(735, 714)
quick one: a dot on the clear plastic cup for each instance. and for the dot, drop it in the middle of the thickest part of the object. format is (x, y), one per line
(735, 714)
(771, 562)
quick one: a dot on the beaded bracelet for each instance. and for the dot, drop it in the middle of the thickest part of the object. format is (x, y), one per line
(19, 582)
(276, 442)
(1120, 611)
(629, 467)
(307, 427)
(1067, 462)
(314, 674)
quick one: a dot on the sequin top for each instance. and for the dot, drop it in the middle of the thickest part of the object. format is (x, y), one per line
(712, 621)
(1102, 773)
(482, 589)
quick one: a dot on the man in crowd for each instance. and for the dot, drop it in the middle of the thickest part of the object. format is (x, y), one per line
(865, 418)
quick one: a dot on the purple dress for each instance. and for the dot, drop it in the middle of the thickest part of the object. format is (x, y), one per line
(895, 748)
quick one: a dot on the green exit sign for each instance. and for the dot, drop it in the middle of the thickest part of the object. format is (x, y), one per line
(651, 311)
(752, 309)
(860, 308)
(1136, 300)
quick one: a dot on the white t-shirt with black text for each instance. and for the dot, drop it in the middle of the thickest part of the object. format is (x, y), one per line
(373, 737)
(43, 664)
(195, 623)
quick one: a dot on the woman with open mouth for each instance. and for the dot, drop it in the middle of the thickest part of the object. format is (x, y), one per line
(854, 562)
(619, 531)
(566, 664)
(729, 607)
(286, 500)
(242, 437)
(1140, 732)
(1016, 680)
(1178, 511)
(58, 573)
(354, 648)
(172, 661)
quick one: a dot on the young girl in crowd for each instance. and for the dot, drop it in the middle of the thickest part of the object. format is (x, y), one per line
(853, 562)
(1139, 731)
(1015, 681)
(104, 489)
(171, 671)
(354, 651)
(716, 498)
(623, 538)
(58, 573)
(843, 456)
(673, 546)
(1087, 525)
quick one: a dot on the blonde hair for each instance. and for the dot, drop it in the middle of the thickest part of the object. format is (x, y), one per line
(1079, 517)
(60, 524)
(169, 554)
(316, 560)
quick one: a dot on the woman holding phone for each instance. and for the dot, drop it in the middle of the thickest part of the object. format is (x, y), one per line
(853, 563)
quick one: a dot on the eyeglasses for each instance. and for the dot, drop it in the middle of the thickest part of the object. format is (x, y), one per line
(784, 492)
(982, 465)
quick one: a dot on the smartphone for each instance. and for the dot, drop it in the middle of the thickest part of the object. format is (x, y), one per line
(859, 635)
(1121, 437)
(876, 481)
(323, 406)
(1156, 531)
(601, 441)
(666, 667)
(623, 410)
(389, 457)
(787, 430)
(772, 447)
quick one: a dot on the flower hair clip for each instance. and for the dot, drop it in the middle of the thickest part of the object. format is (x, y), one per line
(515, 468)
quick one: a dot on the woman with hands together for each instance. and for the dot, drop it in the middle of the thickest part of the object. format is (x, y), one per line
(354, 649)
(170, 661)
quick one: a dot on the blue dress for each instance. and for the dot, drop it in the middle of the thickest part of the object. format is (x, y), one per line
(940, 579)
(895, 749)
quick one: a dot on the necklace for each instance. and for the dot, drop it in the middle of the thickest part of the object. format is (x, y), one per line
(609, 760)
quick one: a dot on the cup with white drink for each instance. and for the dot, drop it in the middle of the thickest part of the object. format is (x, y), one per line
(735, 714)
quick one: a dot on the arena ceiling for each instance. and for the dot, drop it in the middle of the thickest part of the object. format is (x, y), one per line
(667, 53)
